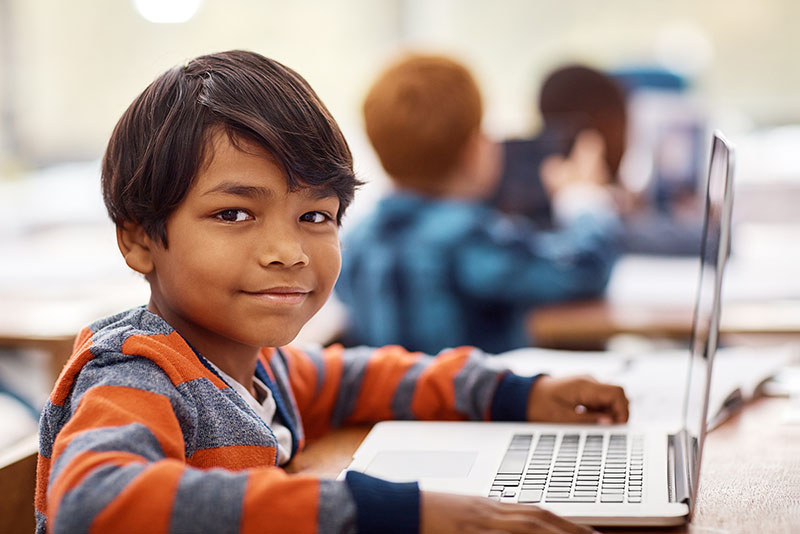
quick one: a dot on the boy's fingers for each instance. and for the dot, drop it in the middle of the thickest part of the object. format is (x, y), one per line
(562, 524)
(581, 414)
(530, 519)
(605, 398)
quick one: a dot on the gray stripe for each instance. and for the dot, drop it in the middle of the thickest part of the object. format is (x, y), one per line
(474, 385)
(401, 402)
(220, 418)
(355, 363)
(53, 419)
(337, 509)
(112, 332)
(135, 438)
(315, 355)
(80, 506)
(41, 522)
(117, 369)
(208, 501)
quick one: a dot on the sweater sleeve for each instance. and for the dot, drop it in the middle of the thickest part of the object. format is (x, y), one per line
(118, 463)
(333, 386)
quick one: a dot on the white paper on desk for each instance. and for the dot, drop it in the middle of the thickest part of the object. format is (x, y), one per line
(655, 382)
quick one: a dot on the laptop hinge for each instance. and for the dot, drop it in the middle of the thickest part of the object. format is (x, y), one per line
(680, 489)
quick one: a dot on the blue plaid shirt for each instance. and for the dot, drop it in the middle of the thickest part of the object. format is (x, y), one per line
(430, 273)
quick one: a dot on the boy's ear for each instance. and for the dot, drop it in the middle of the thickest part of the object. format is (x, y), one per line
(136, 247)
(470, 155)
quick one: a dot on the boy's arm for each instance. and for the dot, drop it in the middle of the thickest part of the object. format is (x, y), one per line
(336, 385)
(516, 263)
(509, 261)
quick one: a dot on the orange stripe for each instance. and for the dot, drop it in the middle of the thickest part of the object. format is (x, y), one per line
(113, 406)
(385, 370)
(80, 357)
(435, 396)
(302, 376)
(316, 410)
(42, 477)
(234, 457)
(275, 501)
(146, 503)
(173, 355)
(79, 468)
(83, 336)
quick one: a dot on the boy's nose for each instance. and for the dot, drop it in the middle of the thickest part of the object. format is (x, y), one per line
(284, 249)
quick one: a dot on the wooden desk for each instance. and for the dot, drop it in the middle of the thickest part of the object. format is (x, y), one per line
(750, 479)
(588, 325)
(57, 347)
(17, 484)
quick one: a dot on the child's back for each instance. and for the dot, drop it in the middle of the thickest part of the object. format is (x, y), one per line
(433, 267)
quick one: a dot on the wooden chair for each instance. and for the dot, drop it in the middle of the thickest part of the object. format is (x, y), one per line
(17, 485)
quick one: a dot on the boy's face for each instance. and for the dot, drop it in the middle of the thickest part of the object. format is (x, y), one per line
(248, 262)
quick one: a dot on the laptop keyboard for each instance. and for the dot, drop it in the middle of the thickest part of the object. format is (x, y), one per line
(575, 467)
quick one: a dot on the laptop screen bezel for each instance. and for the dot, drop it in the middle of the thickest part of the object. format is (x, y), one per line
(720, 148)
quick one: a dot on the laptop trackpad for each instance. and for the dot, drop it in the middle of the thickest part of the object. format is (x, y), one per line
(414, 465)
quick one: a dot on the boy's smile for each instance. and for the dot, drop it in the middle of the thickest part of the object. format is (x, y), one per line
(248, 262)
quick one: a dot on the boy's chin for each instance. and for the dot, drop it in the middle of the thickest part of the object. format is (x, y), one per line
(284, 338)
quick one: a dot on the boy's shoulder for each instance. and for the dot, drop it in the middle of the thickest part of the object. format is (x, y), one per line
(134, 336)
(111, 333)
(438, 218)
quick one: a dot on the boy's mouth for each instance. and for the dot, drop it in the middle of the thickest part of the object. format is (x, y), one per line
(280, 295)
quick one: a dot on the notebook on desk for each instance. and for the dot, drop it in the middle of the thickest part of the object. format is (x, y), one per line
(613, 475)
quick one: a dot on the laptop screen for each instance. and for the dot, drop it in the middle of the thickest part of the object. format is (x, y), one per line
(705, 327)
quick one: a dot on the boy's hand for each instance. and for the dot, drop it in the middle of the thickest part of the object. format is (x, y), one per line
(576, 399)
(445, 513)
(585, 165)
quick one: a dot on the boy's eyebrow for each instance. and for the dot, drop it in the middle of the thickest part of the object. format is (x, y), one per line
(257, 192)
(233, 188)
(320, 193)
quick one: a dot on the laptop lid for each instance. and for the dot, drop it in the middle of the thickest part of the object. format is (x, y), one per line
(705, 326)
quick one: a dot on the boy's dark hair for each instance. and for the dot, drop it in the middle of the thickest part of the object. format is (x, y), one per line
(419, 115)
(162, 140)
(576, 97)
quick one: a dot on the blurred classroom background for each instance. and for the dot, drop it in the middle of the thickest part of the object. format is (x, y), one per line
(69, 69)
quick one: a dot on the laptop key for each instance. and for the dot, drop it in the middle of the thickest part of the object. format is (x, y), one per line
(513, 462)
(512, 483)
(528, 496)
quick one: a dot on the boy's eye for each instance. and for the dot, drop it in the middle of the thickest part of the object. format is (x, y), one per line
(315, 217)
(233, 215)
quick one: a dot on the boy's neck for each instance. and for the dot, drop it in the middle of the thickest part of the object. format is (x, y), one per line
(454, 186)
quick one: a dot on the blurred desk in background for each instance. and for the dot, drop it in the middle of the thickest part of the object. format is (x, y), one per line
(589, 325)
(750, 478)
(655, 296)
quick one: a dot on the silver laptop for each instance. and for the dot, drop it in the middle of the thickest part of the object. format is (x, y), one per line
(597, 475)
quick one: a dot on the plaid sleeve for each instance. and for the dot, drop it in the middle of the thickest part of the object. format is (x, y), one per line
(514, 263)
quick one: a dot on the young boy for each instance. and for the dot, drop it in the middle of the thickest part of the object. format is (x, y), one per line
(227, 179)
(435, 267)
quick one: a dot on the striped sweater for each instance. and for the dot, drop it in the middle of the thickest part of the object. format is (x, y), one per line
(141, 435)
